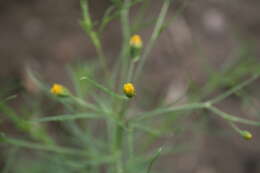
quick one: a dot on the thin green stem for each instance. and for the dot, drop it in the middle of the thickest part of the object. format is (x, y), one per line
(235, 127)
(131, 142)
(105, 90)
(207, 104)
(67, 117)
(120, 137)
(102, 58)
(126, 36)
(131, 71)
(88, 27)
(155, 35)
(124, 55)
(83, 103)
(151, 114)
(232, 118)
(37, 146)
(233, 90)
(158, 153)
(141, 14)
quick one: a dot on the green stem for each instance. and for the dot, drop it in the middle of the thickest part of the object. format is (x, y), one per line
(126, 36)
(83, 103)
(120, 137)
(124, 19)
(37, 146)
(233, 90)
(131, 71)
(88, 27)
(155, 34)
(141, 15)
(232, 118)
(131, 142)
(102, 58)
(151, 114)
(154, 159)
(102, 88)
(235, 128)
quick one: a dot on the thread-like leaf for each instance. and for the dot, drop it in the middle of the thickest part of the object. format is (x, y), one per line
(67, 117)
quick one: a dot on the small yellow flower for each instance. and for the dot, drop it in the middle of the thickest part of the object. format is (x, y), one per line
(247, 135)
(136, 41)
(129, 90)
(58, 90)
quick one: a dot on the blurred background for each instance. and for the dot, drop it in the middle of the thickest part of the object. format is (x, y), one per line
(207, 47)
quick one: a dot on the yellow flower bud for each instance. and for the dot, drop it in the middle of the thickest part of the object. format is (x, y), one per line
(136, 45)
(58, 90)
(136, 41)
(129, 90)
(246, 135)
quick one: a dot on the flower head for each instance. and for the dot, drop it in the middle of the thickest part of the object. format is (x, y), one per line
(136, 41)
(136, 45)
(246, 135)
(58, 90)
(129, 90)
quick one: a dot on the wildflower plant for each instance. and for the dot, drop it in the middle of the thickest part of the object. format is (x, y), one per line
(114, 146)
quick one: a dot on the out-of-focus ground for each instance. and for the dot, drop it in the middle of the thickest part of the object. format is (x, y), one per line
(46, 36)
